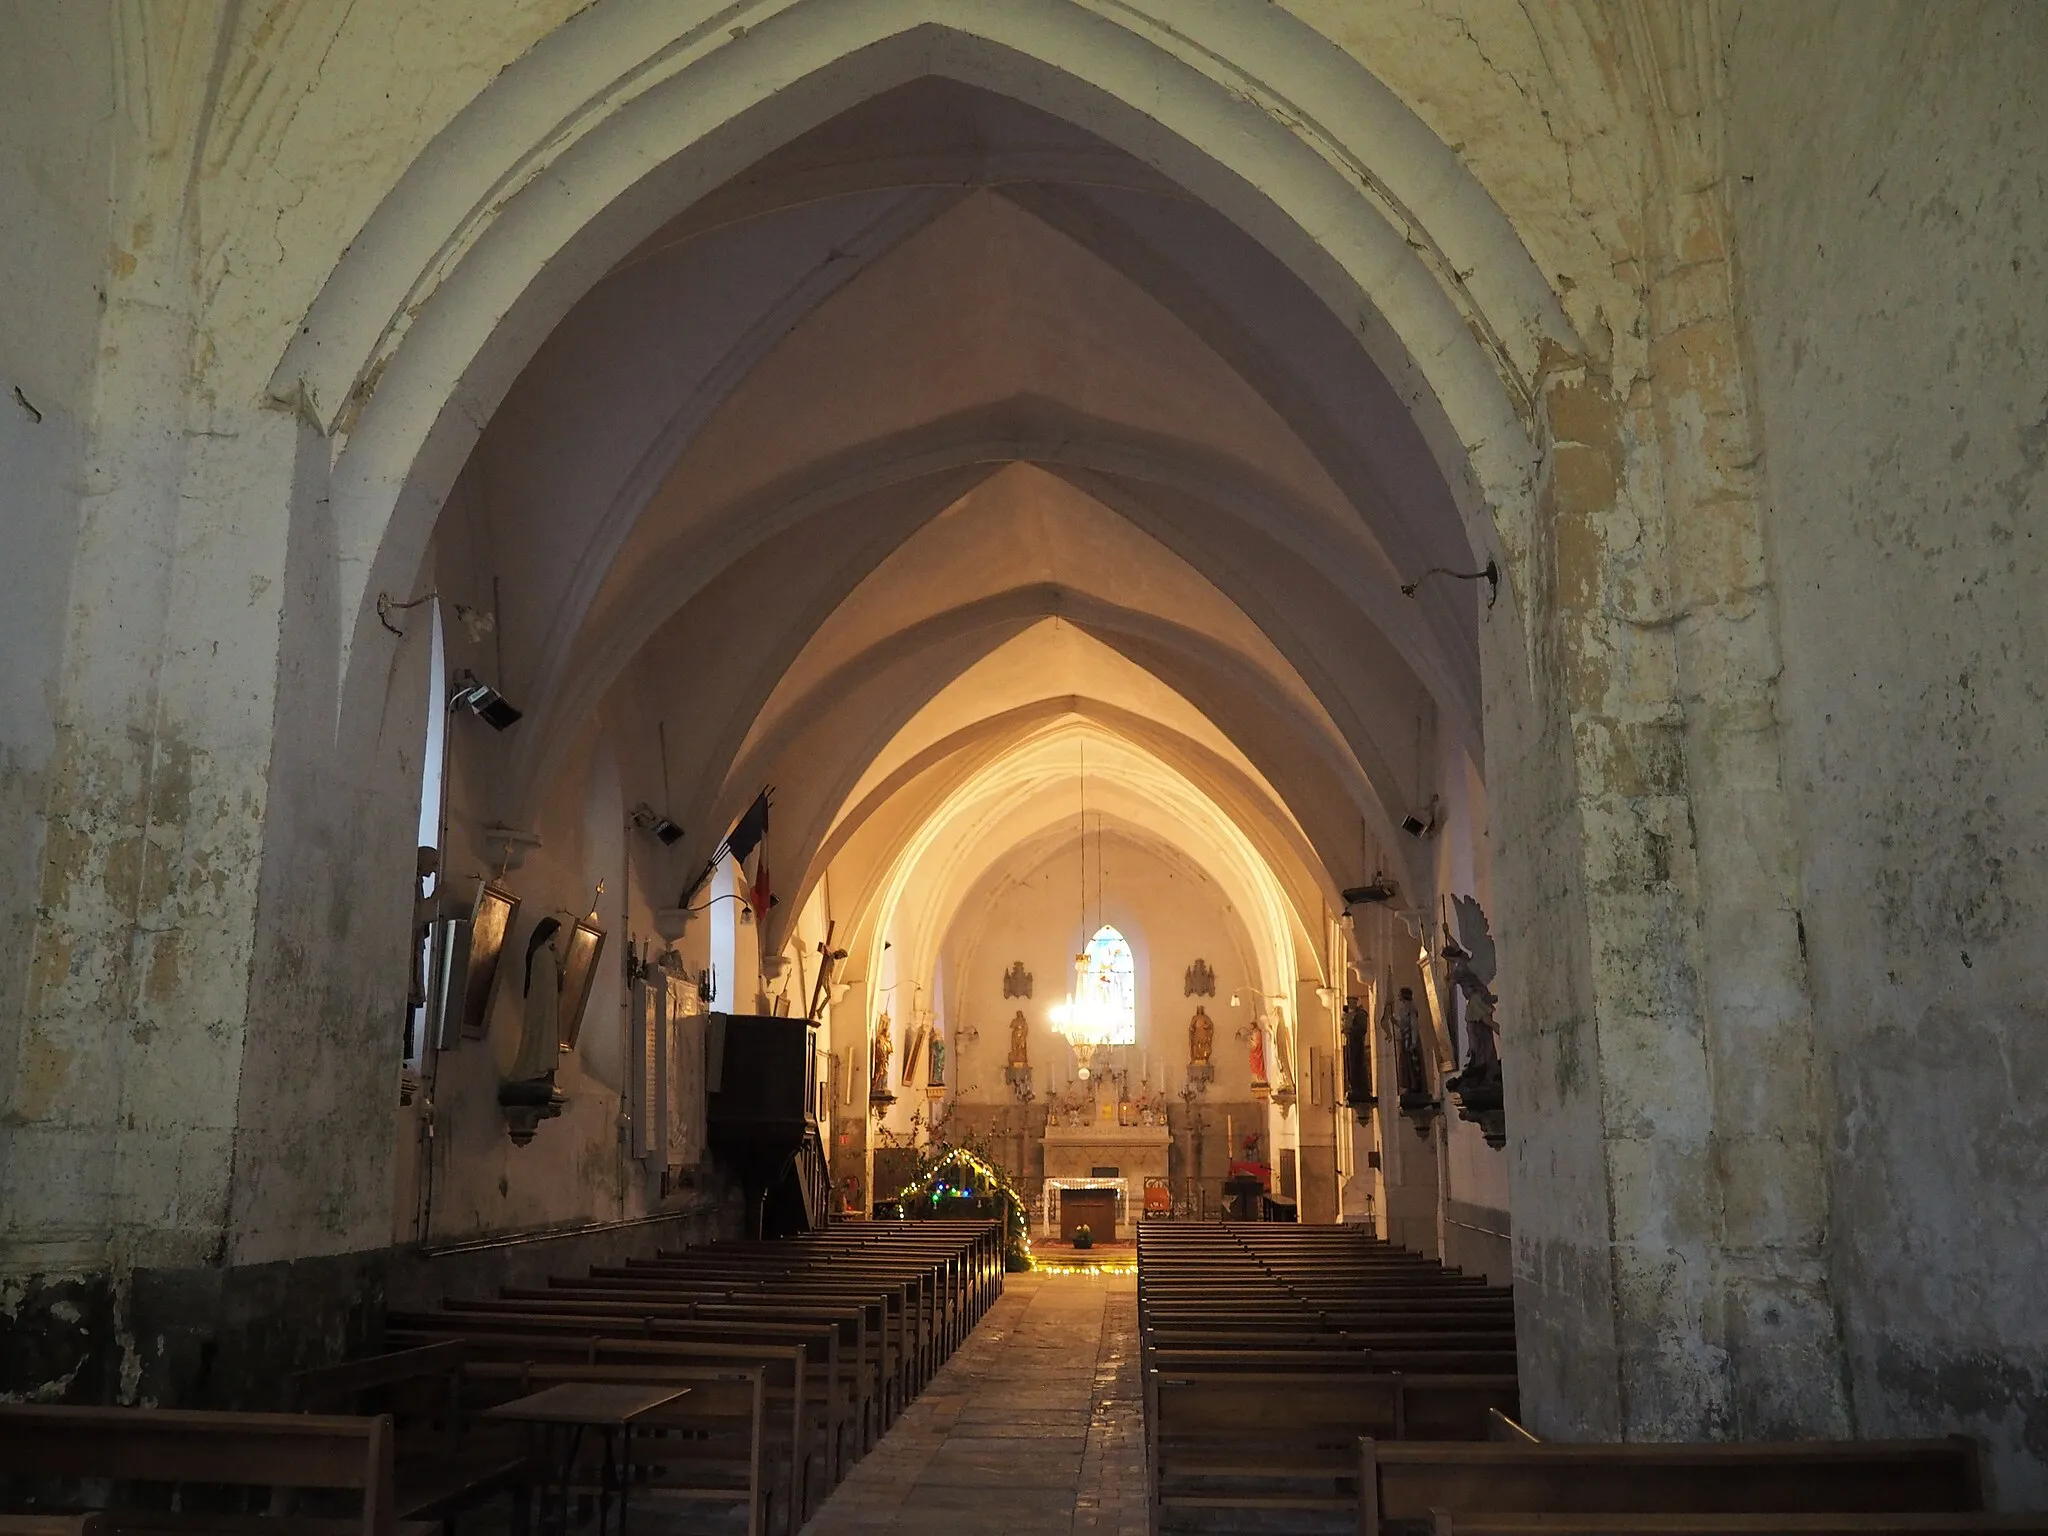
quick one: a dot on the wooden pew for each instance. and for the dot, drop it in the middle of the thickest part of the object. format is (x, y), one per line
(1409, 1481)
(93, 1524)
(280, 1452)
(789, 1439)
(442, 1466)
(839, 1387)
(861, 1321)
(1742, 1525)
(1277, 1443)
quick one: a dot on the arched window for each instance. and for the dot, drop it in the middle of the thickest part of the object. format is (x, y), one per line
(1109, 988)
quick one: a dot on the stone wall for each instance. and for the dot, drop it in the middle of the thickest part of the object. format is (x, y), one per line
(1886, 163)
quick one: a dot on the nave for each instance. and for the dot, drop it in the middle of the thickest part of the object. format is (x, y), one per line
(1412, 622)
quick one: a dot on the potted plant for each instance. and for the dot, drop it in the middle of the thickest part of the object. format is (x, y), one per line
(1083, 1238)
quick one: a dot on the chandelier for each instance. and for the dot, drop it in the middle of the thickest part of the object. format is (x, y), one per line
(1086, 1017)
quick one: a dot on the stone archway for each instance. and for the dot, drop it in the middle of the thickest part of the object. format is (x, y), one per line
(1600, 709)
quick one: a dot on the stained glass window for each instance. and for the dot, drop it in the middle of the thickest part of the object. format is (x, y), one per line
(1109, 988)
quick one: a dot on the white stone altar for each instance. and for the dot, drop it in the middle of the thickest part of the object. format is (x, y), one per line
(1137, 1152)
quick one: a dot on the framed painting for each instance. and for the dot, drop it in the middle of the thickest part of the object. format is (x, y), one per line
(579, 975)
(489, 922)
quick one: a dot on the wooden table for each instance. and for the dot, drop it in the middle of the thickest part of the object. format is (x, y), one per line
(611, 1408)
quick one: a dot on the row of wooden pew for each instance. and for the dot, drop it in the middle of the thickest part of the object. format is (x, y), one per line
(799, 1353)
(1315, 1379)
(796, 1356)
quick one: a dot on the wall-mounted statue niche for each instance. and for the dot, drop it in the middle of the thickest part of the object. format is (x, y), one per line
(1411, 1074)
(528, 1094)
(555, 984)
(1017, 1069)
(1359, 1093)
(880, 1094)
(1477, 1089)
(1201, 1048)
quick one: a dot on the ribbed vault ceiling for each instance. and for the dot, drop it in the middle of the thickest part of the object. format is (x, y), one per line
(945, 450)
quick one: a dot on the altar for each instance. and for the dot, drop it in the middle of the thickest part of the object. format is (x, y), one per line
(1126, 1154)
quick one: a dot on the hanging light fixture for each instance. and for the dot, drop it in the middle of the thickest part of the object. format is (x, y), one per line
(1084, 1019)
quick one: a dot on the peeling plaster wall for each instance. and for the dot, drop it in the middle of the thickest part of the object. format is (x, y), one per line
(56, 90)
(1893, 209)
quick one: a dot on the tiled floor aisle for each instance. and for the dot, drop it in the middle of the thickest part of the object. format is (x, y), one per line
(1034, 1426)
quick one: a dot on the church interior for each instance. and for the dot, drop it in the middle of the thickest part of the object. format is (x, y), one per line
(1032, 765)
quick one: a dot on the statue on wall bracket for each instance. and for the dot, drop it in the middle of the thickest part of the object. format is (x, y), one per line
(1016, 980)
(880, 1096)
(528, 1094)
(1200, 980)
(1255, 1054)
(1201, 1046)
(1477, 1089)
(1404, 1030)
(1359, 1091)
(1017, 1070)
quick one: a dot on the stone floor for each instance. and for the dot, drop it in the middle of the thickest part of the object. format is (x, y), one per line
(1034, 1426)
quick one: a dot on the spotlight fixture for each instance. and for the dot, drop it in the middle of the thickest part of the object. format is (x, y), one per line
(1424, 823)
(647, 819)
(483, 701)
(1381, 890)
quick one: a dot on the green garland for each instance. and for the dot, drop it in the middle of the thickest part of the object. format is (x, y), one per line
(956, 1171)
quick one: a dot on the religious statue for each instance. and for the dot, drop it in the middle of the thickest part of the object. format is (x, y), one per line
(935, 1075)
(529, 1095)
(1257, 1055)
(1359, 1091)
(1201, 1037)
(1478, 1088)
(885, 1047)
(1405, 1025)
(1020, 1043)
(540, 1040)
(1283, 1052)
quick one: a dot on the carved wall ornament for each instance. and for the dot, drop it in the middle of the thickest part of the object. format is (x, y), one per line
(1200, 980)
(1016, 980)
